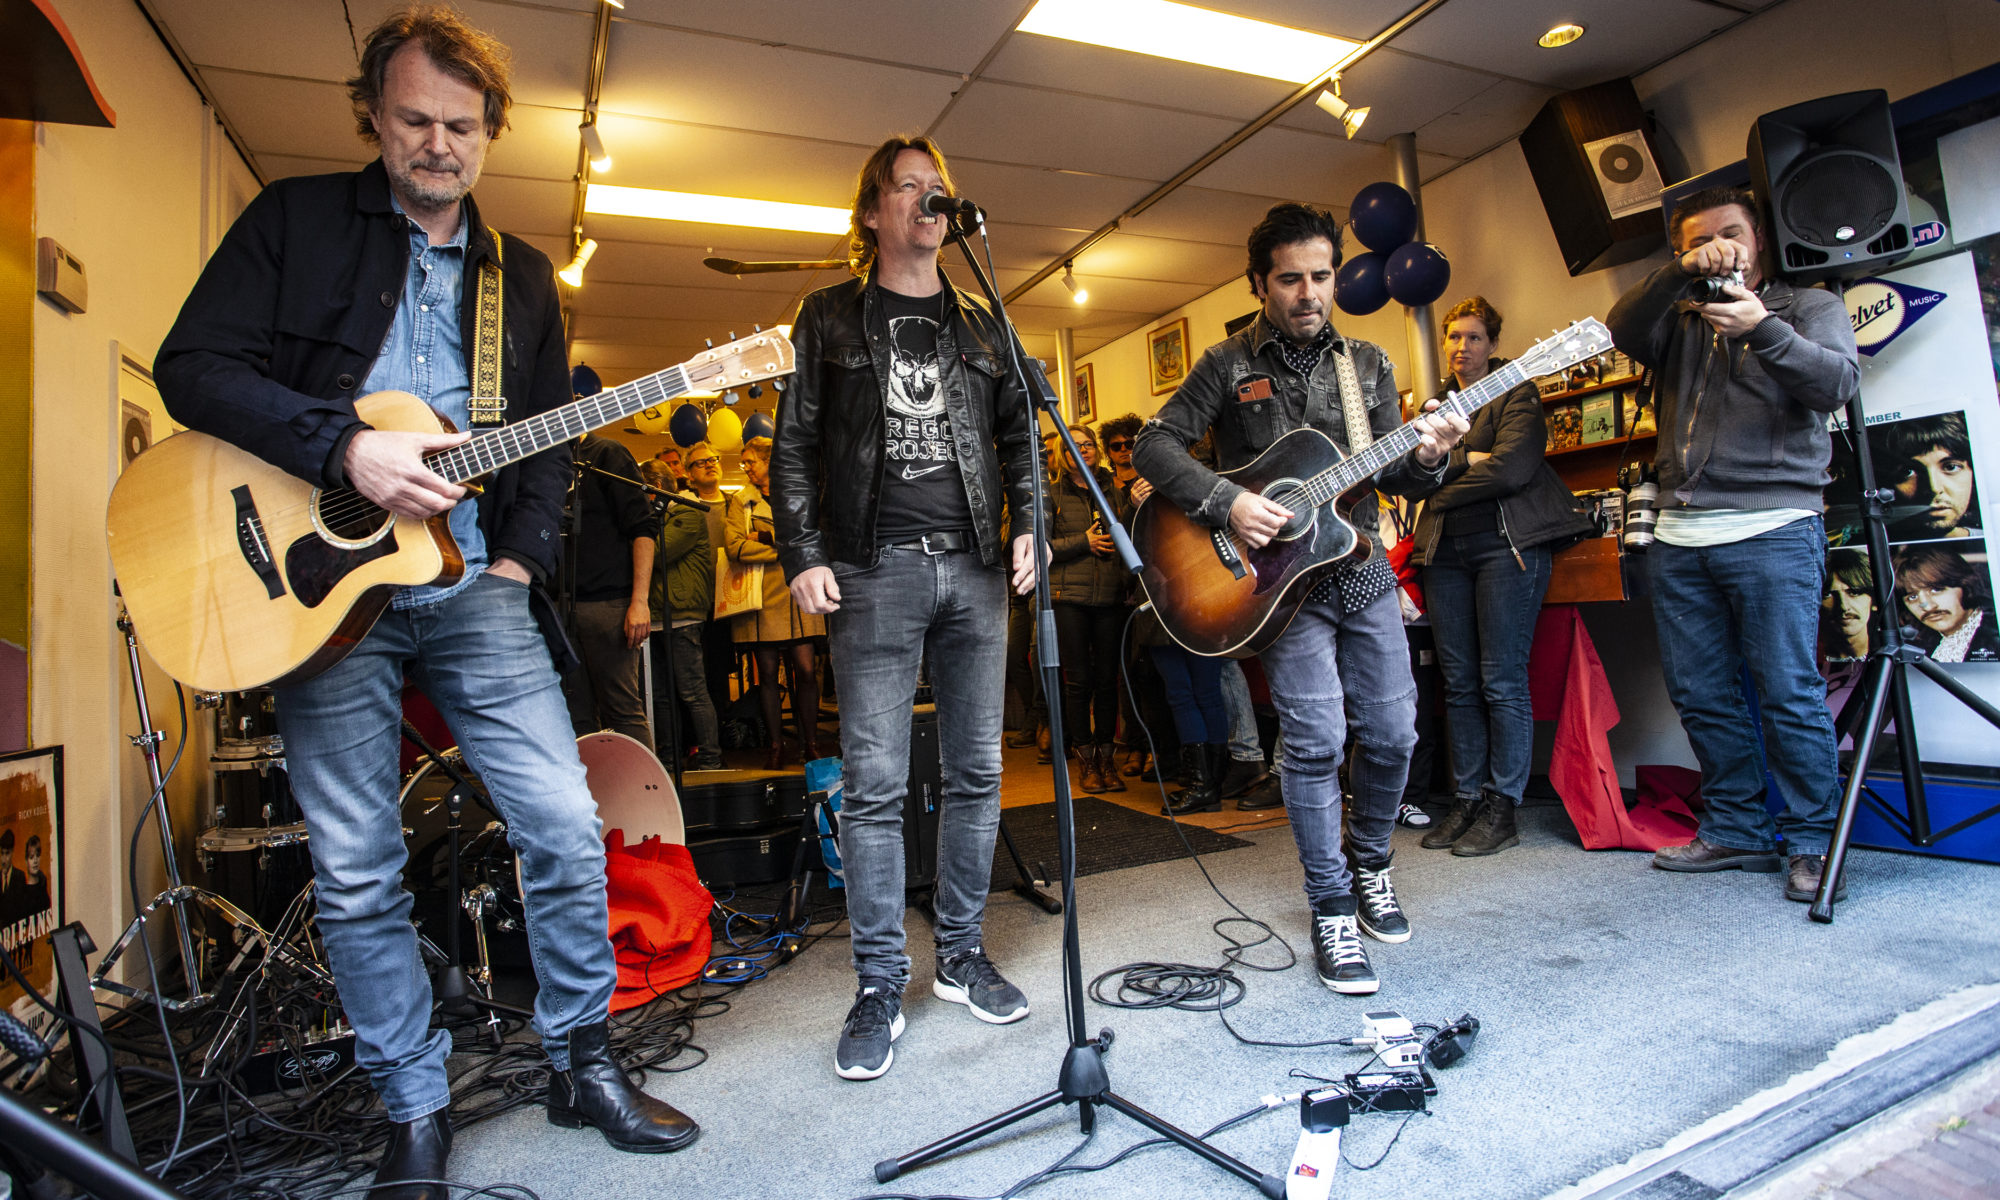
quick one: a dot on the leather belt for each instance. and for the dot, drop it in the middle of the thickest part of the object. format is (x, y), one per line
(936, 543)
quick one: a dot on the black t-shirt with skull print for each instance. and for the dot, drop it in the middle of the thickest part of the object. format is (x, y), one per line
(922, 490)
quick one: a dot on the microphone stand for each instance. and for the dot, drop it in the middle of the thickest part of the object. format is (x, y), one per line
(1083, 1080)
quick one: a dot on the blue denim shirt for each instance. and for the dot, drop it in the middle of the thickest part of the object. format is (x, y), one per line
(424, 355)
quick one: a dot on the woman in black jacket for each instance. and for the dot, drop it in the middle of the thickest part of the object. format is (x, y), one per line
(1486, 540)
(1087, 584)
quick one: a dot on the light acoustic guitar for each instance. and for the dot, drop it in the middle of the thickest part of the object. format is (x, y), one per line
(1216, 595)
(238, 574)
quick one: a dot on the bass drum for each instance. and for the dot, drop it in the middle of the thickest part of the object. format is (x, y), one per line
(633, 791)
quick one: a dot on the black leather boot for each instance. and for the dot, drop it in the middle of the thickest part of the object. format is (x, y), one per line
(1203, 764)
(1456, 821)
(1493, 830)
(417, 1151)
(595, 1091)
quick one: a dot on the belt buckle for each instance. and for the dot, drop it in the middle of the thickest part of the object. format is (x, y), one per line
(925, 542)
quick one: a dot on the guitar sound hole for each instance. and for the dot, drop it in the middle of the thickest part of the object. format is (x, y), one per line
(347, 518)
(1292, 495)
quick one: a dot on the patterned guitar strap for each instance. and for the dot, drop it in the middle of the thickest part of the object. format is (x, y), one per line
(1352, 406)
(1362, 581)
(488, 408)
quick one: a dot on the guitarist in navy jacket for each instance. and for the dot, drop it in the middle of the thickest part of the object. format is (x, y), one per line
(335, 287)
(1344, 656)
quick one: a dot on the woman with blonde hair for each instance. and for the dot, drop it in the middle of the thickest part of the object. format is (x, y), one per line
(779, 629)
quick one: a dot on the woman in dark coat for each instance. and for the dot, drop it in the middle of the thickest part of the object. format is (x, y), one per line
(1087, 584)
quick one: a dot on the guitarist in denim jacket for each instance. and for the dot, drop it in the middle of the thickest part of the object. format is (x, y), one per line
(1344, 656)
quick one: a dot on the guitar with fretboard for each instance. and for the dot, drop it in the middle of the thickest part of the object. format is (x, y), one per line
(237, 574)
(1215, 594)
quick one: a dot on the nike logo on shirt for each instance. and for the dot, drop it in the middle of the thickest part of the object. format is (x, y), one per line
(909, 474)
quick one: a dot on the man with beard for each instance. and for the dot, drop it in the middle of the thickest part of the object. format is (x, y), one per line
(902, 447)
(337, 286)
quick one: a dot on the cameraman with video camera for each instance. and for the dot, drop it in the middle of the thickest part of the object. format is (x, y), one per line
(1746, 370)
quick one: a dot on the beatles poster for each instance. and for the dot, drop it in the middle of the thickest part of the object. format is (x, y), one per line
(31, 895)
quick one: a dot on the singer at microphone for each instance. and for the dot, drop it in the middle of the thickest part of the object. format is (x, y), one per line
(938, 204)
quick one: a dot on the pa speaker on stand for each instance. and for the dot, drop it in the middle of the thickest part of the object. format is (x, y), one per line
(1830, 173)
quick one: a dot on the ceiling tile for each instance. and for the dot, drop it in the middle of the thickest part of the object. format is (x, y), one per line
(651, 153)
(1495, 115)
(1166, 260)
(1402, 93)
(1110, 297)
(681, 266)
(1307, 167)
(1044, 195)
(301, 117)
(524, 205)
(1206, 214)
(917, 32)
(314, 37)
(706, 80)
(1015, 124)
(1099, 71)
(1355, 20)
(1623, 37)
(541, 143)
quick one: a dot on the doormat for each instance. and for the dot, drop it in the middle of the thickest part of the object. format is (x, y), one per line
(1109, 837)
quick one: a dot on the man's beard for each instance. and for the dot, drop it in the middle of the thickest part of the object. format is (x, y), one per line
(431, 191)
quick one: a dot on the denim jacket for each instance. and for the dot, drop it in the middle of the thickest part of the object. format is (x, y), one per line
(1245, 429)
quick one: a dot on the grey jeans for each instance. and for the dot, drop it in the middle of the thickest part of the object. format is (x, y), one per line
(955, 609)
(607, 695)
(1329, 672)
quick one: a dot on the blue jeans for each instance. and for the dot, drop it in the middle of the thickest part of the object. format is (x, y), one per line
(955, 609)
(1483, 606)
(480, 658)
(1754, 604)
(1194, 693)
(1244, 744)
(1328, 672)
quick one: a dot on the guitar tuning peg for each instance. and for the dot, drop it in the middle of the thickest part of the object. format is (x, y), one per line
(709, 342)
(732, 335)
(756, 329)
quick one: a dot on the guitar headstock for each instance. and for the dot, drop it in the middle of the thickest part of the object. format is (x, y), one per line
(1587, 338)
(745, 360)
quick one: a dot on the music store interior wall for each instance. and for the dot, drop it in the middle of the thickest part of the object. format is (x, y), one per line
(1055, 597)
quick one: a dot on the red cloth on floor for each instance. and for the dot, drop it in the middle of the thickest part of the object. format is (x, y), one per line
(1566, 685)
(659, 918)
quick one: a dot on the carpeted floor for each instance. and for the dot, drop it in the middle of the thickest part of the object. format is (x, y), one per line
(1108, 838)
(1621, 1005)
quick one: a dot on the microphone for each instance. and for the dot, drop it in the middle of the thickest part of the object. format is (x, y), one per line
(938, 204)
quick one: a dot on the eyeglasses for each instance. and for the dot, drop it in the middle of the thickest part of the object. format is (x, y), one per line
(1118, 444)
(703, 462)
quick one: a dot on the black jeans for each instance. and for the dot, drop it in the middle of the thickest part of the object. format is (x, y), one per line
(1087, 636)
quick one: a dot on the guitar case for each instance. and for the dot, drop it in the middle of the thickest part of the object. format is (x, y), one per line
(729, 860)
(741, 801)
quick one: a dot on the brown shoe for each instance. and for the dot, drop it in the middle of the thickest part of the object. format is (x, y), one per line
(1135, 764)
(1091, 777)
(1108, 770)
(1698, 855)
(1802, 879)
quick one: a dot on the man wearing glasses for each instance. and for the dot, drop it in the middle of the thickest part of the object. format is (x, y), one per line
(684, 595)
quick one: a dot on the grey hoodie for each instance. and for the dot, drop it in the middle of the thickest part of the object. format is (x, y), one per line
(1742, 420)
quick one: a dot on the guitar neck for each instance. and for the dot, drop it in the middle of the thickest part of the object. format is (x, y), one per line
(490, 451)
(1342, 476)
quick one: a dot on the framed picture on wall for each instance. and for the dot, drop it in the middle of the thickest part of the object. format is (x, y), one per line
(31, 865)
(1167, 356)
(1083, 394)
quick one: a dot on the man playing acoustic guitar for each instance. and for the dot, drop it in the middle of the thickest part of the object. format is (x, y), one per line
(330, 288)
(1344, 657)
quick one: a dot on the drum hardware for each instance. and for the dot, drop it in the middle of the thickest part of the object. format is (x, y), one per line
(457, 990)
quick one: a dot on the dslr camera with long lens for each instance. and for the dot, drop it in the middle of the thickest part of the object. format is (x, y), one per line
(1709, 288)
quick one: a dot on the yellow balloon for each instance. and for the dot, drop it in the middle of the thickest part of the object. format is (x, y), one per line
(725, 431)
(652, 420)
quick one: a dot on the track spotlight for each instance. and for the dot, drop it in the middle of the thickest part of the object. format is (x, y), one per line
(593, 145)
(1350, 117)
(573, 273)
(1076, 290)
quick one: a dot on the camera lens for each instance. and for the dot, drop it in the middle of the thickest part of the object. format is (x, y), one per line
(1641, 516)
(1707, 289)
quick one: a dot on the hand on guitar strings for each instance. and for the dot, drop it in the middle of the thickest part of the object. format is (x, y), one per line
(1437, 433)
(387, 467)
(1256, 518)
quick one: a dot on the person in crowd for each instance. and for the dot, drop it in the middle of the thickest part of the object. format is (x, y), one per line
(1951, 603)
(684, 596)
(718, 644)
(1928, 462)
(1088, 586)
(1343, 658)
(904, 449)
(1024, 679)
(669, 458)
(611, 611)
(1486, 540)
(1744, 385)
(269, 353)
(1119, 434)
(1140, 679)
(1847, 612)
(781, 629)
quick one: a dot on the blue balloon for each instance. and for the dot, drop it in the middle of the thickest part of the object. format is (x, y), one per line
(584, 381)
(759, 425)
(1358, 287)
(1384, 217)
(688, 425)
(1417, 274)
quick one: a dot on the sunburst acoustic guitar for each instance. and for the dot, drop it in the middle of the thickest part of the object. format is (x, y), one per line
(238, 574)
(1217, 595)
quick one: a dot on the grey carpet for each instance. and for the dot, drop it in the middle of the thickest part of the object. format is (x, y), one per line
(1621, 1005)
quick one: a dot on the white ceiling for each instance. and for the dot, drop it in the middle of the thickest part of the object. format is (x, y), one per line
(782, 99)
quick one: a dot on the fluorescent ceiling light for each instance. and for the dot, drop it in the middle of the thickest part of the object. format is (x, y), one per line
(573, 273)
(610, 201)
(1188, 34)
(593, 145)
(1560, 35)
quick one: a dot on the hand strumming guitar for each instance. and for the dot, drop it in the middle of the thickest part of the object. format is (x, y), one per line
(388, 468)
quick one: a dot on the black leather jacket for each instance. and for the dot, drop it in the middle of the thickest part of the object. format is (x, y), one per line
(826, 458)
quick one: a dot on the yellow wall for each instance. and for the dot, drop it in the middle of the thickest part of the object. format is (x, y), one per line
(138, 205)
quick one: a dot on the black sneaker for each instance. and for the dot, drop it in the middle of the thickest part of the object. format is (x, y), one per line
(1377, 912)
(970, 978)
(875, 1021)
(1337, 952)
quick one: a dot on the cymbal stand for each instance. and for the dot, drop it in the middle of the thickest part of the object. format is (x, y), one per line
(179, 897)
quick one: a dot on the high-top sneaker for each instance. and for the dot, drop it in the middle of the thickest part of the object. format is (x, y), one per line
(1337, 951)
(1376, 909)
